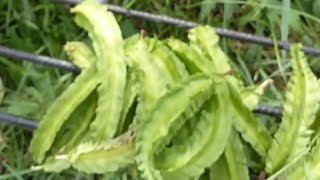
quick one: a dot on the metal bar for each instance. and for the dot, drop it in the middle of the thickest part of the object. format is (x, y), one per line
(241, 36)
(38, 59)
(19, 121)
(269, 110)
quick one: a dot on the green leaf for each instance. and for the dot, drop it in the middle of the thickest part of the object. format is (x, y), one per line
(206, 8)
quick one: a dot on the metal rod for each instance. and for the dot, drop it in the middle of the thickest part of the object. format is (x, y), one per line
(269, 110)
(19, 121)
(241, 36)
(38, 59)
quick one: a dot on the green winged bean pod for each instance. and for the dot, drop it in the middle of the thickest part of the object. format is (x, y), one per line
(53, 165)
(193, 108)
(166, 60)
(102, 161)
(128, 99)
(235, 157)
(301, 104)
(67, 103)
(207, 141)
(306, 168)
(60, 110)
(220, 170)
(194, 61)
(232, 164)
(251, 129)
(76, 127)
(80, 54)
(198, 37)
(251, 95)
(160, 118)
(164, 57)
(102, 157)
(148, 73)
(107, 42)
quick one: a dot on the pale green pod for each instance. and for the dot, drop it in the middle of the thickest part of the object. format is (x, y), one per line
(235, 157)
(193, 108)
(207, 141)
(301, 105)
(102, 161)
(148, 73)
(199, 41)
(251, 95)
(161, 118)
(72, 132)
(101, 157)
(76, 127)
(307, 167)
(195, 62)
(207, 40)
(80, 54)
(220, 169)
(251, 129)
(107, 41)
(130, 95)
(60, 110)
(53, 165)
(169, 62)
(186, 130)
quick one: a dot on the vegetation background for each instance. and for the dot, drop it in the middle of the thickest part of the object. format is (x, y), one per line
(43, 27)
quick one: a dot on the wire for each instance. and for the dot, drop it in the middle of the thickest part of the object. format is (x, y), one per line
(19, 121)
(241, 36)
(38, 59)
(269, 110)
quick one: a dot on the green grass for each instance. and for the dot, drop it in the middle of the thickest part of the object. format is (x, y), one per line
(44, 27)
